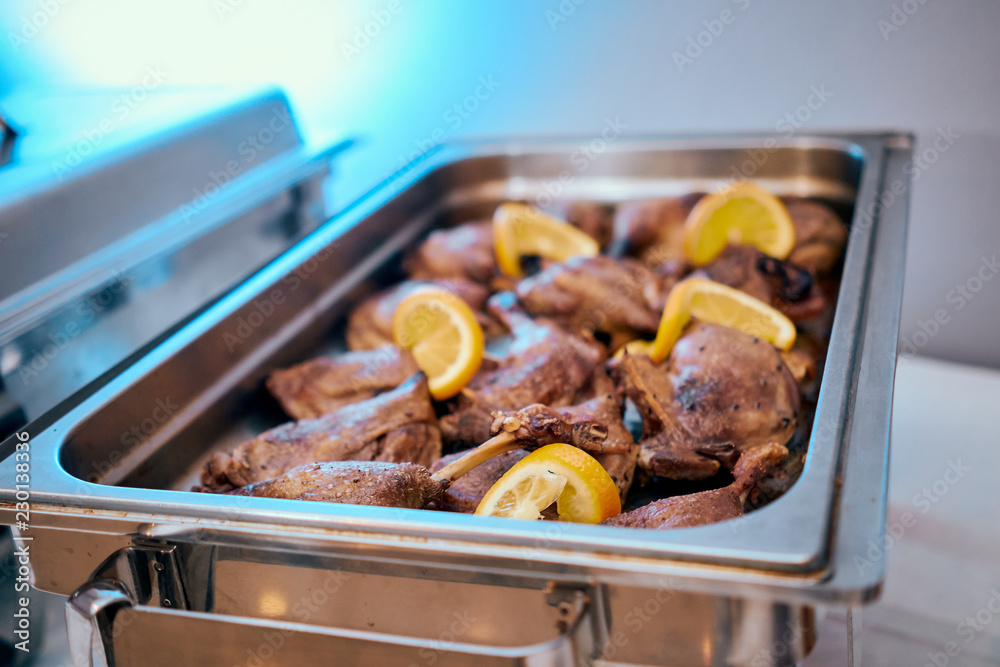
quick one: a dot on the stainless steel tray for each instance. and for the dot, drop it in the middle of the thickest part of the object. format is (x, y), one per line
(110, 475)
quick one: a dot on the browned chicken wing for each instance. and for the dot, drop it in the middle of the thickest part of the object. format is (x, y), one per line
(697, 509)
(543, 363)
(370, 324)
(397, 426)
(720, 392)
(464, 252)
(593, 294)
(380, 483)
(322, 385)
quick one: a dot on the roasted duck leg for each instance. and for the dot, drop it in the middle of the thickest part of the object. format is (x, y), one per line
(397, 426)
(617, 454)
(697, 509)
(380, 483)
(720, 392)
(593, 294)
(322, 385)
(370, 324)
(544, 363)
(785, 286)
(464, 252)
(413, 486)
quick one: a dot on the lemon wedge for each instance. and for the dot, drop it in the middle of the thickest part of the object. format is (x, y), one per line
(581, 488)
(714, 302)
(744, 213)
(442, 333)
(520, 229)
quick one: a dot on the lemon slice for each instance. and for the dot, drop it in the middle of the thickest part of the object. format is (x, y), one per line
(519, 230)
(580, 487)
(637, 346)
(442, 333)
(714, 302)
(741, 214)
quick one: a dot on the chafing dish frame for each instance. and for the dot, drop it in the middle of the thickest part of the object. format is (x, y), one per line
(809, 546)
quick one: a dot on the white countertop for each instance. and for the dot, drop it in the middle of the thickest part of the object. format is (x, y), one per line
(943, 506)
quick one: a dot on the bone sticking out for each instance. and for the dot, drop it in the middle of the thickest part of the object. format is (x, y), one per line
(498, 444)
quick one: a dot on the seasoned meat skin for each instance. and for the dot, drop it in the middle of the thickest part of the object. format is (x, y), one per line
(785, 286)
(595, 220)
(619, 452)
(466, 492)
(464, 252)
(380, 483)
(545, 363)
(538, 425)
(698, 509)
(720, 392)
(593, 294)
(370, 324)
(318, 386)
(397, 426)
(652, 229)
(820, 236)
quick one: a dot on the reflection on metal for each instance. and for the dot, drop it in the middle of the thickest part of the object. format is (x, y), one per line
(104, 257)
(718, 594)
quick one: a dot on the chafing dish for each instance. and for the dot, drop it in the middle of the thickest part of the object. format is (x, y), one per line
(157, 574)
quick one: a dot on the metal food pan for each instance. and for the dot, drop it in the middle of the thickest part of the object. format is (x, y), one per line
(110, 476)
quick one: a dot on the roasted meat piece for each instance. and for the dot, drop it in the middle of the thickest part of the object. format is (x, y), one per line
(543, 363)
(720, 392)
(318, 386)
(820, 236)
(652, 229)
(370, 324)
(595, 220)
(398, 426)
(781, 284)
(619, 452)
(466, 492)
(594, 294)
(464, 252)
(697, 509)
(380, 483)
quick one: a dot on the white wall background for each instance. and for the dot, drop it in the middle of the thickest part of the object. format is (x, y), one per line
(939, 71)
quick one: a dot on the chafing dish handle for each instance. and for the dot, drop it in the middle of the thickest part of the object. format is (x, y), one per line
(107, 628)
(89, 618)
